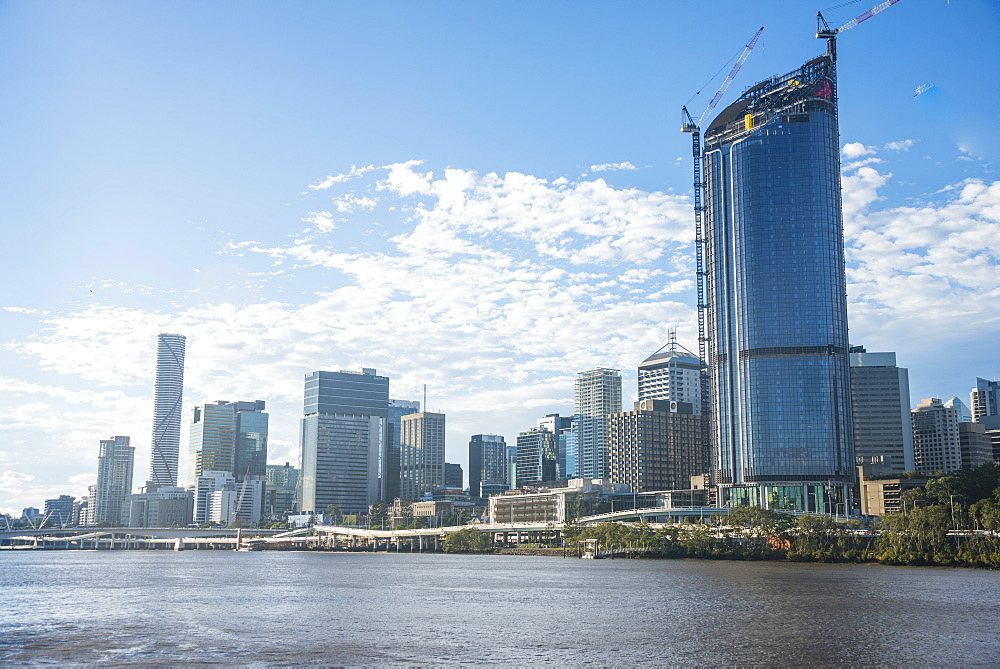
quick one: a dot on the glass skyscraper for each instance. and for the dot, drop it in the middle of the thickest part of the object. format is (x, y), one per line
(168, 394)
(487, 465)
(343, 433)
(775, 294)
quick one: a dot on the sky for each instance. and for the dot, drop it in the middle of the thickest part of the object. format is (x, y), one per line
(485, 198)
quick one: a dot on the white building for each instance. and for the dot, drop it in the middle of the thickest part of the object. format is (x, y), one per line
(936, 443)
(114, 480)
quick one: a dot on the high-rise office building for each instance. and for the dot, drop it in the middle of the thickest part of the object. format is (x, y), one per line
(342, 435)
(963, 410)
(674, 373)
(59, 510)
(168, 394)
(421, 457)
(658, 446)
(880, 403)
(975, 443)
(566, 446)
(937, 446)
(229, 437)
(536, 457)
(390, 465)
(487, 465)
(774, 288)
(985, 399)
(115, 461)
(454, 477)
(598, 393)
(279, 493)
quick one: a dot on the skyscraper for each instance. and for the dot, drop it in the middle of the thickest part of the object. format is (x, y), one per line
(985, 399)
(566, 447)
(774, 287)
(673, 374)
(487, 465)
(168, 393)
(598, 392)
(343, 431)
(880, 402)
(228, 437)
(658, 446)
(421, 457)
(937, 446)
(115, 462)
(536, 457)
(390, 464)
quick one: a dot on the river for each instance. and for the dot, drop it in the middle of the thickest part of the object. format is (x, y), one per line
(149, 607)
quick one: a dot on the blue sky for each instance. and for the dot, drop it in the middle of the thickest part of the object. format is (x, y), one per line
(482, 197)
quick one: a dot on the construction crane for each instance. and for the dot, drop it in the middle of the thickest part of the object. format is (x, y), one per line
(824, 31)
(688, 124)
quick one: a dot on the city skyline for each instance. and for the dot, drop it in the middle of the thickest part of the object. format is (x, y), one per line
(492, 273)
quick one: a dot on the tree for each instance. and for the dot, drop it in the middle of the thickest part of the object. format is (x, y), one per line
(468, 540)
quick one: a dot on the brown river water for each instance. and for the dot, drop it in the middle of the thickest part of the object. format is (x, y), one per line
(219, 607)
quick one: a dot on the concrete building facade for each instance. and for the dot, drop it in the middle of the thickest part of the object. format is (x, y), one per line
(115, 463)
(597, 393)
(880, 408)
(422, 445)
(659, 445)
(936, 443)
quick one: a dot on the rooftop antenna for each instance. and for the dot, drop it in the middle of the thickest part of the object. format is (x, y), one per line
(425, 398)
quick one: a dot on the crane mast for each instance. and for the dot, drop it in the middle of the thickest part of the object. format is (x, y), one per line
(689, 125)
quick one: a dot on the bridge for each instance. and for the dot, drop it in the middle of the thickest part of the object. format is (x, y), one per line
(327, 537)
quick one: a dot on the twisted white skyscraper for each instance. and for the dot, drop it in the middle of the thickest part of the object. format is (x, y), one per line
(167, 411)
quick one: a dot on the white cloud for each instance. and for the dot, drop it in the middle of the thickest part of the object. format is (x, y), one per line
(348, 203)
(857, 150)
(613, 167)
(492, 289)
(21, 310)
(332, 180)
(903, 145)
(323, 220)
(12, 483)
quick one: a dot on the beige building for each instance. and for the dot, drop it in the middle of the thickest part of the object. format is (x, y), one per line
(421, 454)
(883, 496)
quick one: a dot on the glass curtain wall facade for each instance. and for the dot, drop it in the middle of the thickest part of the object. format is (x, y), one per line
(487, 465)
(167, 397)
(775, 292)
(343, 433)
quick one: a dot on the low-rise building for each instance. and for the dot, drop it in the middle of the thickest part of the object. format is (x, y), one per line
(158, 506)
(580, 497)
(882, 496)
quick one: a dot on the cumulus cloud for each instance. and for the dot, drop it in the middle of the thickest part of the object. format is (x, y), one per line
(613, 167)
(903, 145)
(922, 268)
(853, 150)
(493, 289)
(21, 310)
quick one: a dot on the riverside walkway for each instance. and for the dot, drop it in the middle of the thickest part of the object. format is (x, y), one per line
(324, 537)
